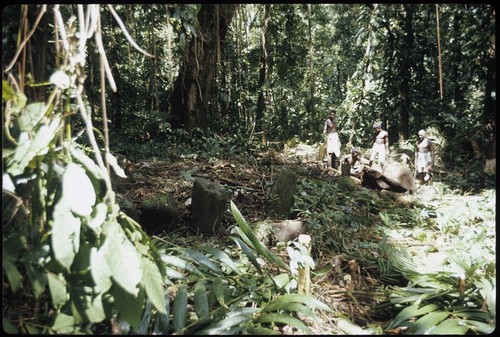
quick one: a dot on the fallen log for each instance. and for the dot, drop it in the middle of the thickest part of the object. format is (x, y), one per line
(376, 180)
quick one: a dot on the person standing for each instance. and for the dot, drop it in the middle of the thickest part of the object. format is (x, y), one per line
(425, 158)
(380, 146)
(332, 140)
(489, 158)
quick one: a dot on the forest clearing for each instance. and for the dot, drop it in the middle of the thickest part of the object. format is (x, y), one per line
(165, 169)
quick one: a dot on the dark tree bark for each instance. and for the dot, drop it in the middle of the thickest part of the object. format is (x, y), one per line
(197, 73)
(261, 105)
(407, 64)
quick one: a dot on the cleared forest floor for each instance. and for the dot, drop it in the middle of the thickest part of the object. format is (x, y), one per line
(431, 226)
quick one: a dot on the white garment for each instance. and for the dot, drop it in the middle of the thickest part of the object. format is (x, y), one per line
(333, 144)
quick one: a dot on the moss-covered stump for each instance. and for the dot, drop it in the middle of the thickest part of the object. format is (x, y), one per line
(282, 194)
(346, 183)
(209, 203)
(159, 213)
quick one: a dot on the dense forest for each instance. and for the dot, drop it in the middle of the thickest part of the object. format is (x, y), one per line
(92, 94)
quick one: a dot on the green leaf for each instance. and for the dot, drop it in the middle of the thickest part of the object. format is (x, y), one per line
(218, 290)
(180, 308)
(480, 327)
(233, 320)
(129, 306)
(152, 281)
(38, 280)
(122, 259)
(452, 326)
(29, 149)
(99, 269)
(65, 236)
(409, 312)
(424, 324)
(13, 275)
(282, 302)
(285, 319)
(114, 164)
(282, 280)
(64, 324)
(174, 261)
(89, 165)
(31, 115)
(78, 190)
(162, 320)
(348, 328)
(200, 258)
(257, 245)
(7, 92)
(248, 253)
(222, 256)
(88, 305)
(57, 287)
(201, 306)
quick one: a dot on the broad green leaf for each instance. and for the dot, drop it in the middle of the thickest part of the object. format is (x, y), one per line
(146, 320)
(424, 324)
(123, 259)
(31, 115)
(201, 306)
(78, 190)
(232, 320)
(7, 92)
(57, 287)
(38, 279)
(172, 260)
(152, 281)
(65, 234)
(257, 245)
(281, 280)
(88, 305)
(97, 218)
(89, 165)
(259, 331)
(222, 256)
(409, 312)
(129, 306)
(7, 183)
(487, 289)
(13, 275)
(64, 324)
(218, 290)
(248, 253)
(114, 164)
(174, 274)
(453, 326)
(480, 327)
(29, 149)
(99, 269)
(349, 328)
(180, 308)
(284, 319)
(282, 302)
(200, 258)
(162, 320)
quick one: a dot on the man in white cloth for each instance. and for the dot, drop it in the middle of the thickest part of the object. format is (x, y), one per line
(380, 145)
(425, 158)
(332, 140)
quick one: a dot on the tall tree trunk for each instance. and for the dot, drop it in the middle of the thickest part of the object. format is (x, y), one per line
(405, 78)
(261, 102)
(198, 68)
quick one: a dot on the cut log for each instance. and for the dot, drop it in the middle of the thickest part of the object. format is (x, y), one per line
(376, 180)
